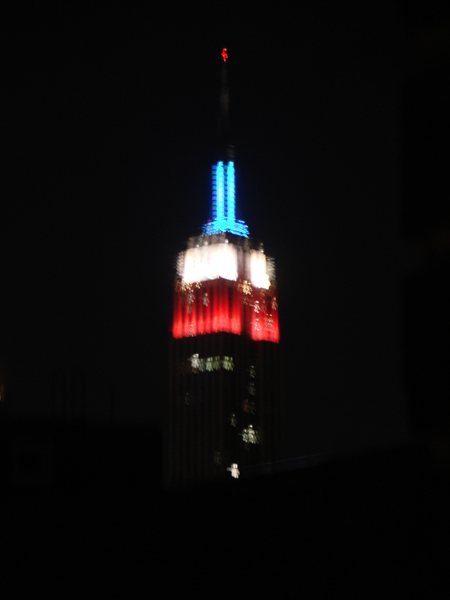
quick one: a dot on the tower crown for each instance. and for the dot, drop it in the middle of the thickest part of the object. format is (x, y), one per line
(223, 284)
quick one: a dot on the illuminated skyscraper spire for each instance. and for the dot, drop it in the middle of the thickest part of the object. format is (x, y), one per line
(224, 386)
(223, 173)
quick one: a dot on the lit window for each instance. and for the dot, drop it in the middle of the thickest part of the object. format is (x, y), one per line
(234, 470)
(248, 407)
(246, 287)
(195, 363)
(233, 420)
(190, 299)
(249, 435)
(228, 364)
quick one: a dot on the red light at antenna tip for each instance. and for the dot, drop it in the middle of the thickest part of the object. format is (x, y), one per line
(224, 54)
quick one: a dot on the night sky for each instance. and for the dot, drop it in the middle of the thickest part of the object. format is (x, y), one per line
(111, 126)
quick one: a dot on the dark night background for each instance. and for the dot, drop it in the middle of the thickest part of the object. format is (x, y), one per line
(113, 121)
(340, 121)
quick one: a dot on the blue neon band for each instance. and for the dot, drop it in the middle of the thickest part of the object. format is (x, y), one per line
(224, 202)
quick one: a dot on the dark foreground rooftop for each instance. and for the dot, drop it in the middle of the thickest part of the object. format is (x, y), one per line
(375, 522)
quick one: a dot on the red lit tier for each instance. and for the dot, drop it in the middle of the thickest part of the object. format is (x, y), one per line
(223, 305)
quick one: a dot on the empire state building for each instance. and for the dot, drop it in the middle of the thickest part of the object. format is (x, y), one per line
(224, 400)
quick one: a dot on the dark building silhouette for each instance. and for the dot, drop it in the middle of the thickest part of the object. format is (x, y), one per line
(426, 224)
(2, 387)
(224, 412)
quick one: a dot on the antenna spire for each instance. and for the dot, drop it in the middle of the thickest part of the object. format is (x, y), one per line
(225, 150)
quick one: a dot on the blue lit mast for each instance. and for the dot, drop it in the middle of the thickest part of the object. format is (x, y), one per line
(223, 173)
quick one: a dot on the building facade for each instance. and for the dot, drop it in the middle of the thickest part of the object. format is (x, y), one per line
(224, 405)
